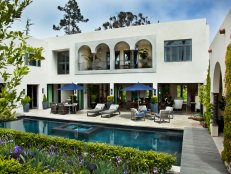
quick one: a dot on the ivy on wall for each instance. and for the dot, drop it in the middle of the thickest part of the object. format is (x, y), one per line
(226, 154)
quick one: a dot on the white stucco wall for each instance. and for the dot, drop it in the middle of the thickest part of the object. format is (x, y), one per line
(218, 47)
(161, 72)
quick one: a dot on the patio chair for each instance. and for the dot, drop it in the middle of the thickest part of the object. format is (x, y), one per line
(136, 114)
(74, 108)
(62, 109)
(112, 109)
(96, 111)
(162, 116)
(170, 109)
(143, 108)
(54, 108)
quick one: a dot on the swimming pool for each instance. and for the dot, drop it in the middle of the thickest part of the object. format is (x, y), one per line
(161, 140)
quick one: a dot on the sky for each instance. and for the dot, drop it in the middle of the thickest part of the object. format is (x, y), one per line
(44, 13)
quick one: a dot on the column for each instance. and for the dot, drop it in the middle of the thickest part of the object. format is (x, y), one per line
(112, 59)
(85, 99)
(112, 89)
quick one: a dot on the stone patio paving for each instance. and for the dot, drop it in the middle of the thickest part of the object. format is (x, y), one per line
(180, 121)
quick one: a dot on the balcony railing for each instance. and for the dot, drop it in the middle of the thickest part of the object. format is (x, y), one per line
(102, 65)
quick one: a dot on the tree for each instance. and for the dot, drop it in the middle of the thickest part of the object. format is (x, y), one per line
(13, 49)
(27, 27)
(226, 154)
(71, 17)
(125, 19)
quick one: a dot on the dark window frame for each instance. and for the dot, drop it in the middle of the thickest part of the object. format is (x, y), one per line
(35, 63)
(182, 49)
(63, 60)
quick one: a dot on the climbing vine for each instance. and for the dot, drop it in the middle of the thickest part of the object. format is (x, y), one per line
(226, 154)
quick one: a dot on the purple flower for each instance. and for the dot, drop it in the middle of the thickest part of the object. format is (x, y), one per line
(18, 149)
(125, 172)
(52, 148)
(155, 170)
(91, 167)
(118, 159)
(2, 142)
(69, 162)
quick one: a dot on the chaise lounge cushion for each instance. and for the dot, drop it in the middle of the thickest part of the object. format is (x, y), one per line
(113, 109)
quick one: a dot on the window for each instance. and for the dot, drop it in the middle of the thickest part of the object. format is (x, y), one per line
(117, 59)
(108, 59)
(63, 62)
(182, 92)
(178, 50)
(31, 62)
(127, 57)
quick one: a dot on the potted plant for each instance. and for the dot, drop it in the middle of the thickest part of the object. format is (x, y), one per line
(93, 100)
(154, 104)
(45, 102)
(110, 100)
(26, 103)
(143, 52)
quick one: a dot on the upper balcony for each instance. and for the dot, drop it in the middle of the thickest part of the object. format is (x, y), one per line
(115, 57)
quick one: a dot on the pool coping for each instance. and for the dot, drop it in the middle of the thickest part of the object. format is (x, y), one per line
(124, 126)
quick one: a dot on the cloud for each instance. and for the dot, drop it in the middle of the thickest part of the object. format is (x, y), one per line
(44, 13)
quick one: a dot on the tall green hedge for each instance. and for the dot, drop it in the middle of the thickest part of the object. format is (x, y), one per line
(206, 99)
(226, 154)
(144, 160)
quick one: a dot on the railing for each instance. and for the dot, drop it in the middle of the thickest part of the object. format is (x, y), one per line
(102, 65)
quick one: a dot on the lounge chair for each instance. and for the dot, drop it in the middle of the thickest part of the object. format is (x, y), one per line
(170, 109)
(96, 111)
(143, 108)
(112, 109)
(162, 116)
(136, 114)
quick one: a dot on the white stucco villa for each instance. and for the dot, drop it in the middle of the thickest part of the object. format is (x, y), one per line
(174, 62)
(217, 52)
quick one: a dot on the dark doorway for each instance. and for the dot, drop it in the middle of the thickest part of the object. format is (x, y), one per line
(32, 92)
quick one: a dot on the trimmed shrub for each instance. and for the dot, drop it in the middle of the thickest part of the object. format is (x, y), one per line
(9, 165)
(206, 100)
(226, 154)
(137, 159)
(154, 100)
(110, 98)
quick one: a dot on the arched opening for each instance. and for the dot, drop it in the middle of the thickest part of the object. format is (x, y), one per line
(144, 54)
(218, 98)
(122, 56)
(102, 57)
(85, 58)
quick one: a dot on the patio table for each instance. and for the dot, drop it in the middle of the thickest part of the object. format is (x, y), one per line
(70, 106)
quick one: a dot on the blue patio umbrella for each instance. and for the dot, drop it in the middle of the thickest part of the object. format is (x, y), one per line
(72, 87)
(138, 87)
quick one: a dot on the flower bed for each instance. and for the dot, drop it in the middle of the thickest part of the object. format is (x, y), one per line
(51, 154)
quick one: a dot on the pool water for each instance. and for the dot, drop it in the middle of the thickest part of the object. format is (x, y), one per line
(78, 128)
(161, 140)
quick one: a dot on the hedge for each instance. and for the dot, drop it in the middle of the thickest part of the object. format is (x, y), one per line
(226, 154)
(144, 160)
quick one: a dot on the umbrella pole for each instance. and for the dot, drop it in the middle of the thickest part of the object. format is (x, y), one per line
(138, 99)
